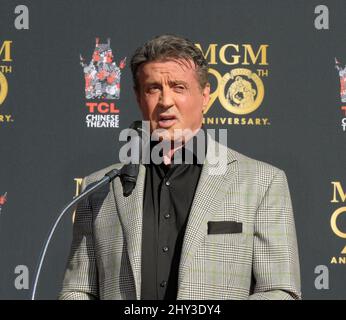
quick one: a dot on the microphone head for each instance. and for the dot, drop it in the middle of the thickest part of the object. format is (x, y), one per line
(128, 177)
(129, 172)
(142, 127)
(140, 145)
(136, 125)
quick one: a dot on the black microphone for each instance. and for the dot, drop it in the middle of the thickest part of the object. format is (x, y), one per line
(129, 172)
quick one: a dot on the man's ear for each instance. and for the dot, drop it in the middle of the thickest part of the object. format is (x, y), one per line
(206, 95)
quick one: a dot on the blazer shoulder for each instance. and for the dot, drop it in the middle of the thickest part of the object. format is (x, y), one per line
(254, 166)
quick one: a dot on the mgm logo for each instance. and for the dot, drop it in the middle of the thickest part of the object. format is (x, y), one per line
(240, 90)
(3, 88)
(338, 194)
(6, 58)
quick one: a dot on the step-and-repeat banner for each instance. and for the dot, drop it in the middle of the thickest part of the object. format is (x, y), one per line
(66, 93)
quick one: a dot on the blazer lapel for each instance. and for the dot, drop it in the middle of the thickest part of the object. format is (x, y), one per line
(130, 211)
(211, 189)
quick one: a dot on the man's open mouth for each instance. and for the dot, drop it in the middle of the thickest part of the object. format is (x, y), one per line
(167, 120)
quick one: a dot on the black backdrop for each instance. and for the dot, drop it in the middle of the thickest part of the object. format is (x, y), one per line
(47, 144)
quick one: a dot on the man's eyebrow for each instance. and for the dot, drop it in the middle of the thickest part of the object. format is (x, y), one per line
(150, 83)
(175, 82)
(170, 82)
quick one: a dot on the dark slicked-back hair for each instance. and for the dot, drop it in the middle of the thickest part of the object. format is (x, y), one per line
(169, 47)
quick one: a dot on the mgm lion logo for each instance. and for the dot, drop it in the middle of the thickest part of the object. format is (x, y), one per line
(245, 93)
(3, 88)
(240, 93)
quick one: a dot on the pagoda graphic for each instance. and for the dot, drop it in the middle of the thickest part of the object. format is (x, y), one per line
(102, 74)
(342, 75)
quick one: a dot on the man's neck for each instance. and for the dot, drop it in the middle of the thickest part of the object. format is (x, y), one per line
(167, 156)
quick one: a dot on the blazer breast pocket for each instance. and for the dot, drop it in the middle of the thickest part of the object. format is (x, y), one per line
(224, 227)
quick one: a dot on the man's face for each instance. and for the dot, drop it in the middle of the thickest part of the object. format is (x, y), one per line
(170, 97)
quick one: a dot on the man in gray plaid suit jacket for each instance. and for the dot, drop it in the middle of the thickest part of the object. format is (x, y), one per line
(239, 241)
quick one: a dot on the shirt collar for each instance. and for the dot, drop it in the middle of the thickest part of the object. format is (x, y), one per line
(191, 152)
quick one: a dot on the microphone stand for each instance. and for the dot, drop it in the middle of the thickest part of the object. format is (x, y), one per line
(128, 176)
(109, 177)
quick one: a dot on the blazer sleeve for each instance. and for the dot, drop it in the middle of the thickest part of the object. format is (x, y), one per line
(81, 280)
(276, 268)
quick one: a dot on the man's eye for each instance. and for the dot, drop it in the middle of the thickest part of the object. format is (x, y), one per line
(153, 89)
(179, 88)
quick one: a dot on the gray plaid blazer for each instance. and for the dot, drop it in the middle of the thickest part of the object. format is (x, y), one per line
(258, 261)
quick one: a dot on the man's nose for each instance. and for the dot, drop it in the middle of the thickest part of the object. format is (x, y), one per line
(166, 98)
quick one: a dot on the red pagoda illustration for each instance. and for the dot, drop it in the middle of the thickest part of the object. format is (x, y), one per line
(102, 75)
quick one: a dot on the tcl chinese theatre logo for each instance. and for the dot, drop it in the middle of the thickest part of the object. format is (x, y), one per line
(237, 72)
(342, 76)
(102, 77)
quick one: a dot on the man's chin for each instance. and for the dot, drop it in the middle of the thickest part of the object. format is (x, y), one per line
(166, 135)
(177, 135)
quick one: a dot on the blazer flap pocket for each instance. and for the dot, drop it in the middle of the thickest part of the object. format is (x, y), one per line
(220, 227)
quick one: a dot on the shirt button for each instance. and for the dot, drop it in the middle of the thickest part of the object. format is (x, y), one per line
(167, 183)
(167, 216)
(163, 284)
(165, 249)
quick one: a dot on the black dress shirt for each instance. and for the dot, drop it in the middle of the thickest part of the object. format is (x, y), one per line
(168, 195)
